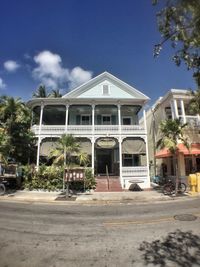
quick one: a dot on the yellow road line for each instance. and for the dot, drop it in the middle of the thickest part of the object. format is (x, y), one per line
(118, 223)
(141, 222)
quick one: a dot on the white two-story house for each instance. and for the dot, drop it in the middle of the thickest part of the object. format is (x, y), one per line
(103, 114)
(174, 105)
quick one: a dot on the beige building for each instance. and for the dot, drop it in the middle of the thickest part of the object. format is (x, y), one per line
(175, 104)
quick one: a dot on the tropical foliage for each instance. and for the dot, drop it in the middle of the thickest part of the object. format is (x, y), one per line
(179, 23)
(47, 178)
(194, 105)
(172, 133)
(16, 139)
(42, 92)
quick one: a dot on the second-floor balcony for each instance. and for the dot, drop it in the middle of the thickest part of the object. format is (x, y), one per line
(84, 120)
(88, 129)
(192, 121)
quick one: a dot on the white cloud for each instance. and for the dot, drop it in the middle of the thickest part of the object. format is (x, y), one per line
(79, 76)
(51, 73)
(11, 65)
(2, 84)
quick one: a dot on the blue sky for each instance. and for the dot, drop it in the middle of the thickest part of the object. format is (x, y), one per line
(66, 42)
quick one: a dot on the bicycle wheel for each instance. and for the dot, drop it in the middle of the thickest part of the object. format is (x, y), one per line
(167, 189)
(181, 188)
(2, 189)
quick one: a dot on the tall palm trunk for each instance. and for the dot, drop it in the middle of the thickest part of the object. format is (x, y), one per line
(177, 173)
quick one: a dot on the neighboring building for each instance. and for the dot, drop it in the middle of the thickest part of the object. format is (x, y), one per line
(175, 104)
(104, 115)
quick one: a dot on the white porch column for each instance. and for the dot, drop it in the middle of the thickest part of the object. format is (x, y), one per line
(93, 141)
(66, 117)
(147, 149)
(39, 136)
(175, 109)
(119, 117)
(120, 161)
(172, 109)
(38, 153)
(183, 110)
(93, 117)
(41, 117)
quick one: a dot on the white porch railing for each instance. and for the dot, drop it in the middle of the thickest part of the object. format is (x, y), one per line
(135, 172)
(49, 129)
(192, 121)
(87, 129)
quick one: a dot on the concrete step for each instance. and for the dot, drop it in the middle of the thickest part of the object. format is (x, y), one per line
(102, 184)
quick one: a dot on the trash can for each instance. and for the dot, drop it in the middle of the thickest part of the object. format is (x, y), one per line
(198, 182)
(192, 181)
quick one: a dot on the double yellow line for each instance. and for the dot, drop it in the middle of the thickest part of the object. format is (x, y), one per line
(140, 222)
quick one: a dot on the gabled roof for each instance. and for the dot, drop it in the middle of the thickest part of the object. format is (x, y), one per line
(129, 91)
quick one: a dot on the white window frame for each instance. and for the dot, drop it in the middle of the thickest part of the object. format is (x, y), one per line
(105, 115)
(127, 117)
(108, 90)
(85, 115)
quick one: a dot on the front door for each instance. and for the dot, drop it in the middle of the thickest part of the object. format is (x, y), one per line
(104, 161)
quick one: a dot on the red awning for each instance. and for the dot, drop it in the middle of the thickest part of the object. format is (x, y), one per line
(193, 150)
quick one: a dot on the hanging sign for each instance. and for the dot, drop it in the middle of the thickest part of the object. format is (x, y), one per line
(106, 143)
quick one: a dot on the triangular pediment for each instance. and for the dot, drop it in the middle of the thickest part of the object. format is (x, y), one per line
(106, 86)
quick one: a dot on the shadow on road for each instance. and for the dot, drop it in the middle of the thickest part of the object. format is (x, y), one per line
(176, 249)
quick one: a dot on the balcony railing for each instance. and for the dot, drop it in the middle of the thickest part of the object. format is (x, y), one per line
(192, 121)
(87, 129)
(139, 172)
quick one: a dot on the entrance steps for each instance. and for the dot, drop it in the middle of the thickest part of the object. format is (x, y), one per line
(103, 185)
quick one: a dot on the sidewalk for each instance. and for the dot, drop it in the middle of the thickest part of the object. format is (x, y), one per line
(93, 197)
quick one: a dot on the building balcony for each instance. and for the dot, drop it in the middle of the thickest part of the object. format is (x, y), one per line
(192, 121)
(84, 130)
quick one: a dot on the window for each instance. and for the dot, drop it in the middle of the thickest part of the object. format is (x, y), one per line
(85, 120)
(105, 89)
(126, 120)
(130, 160)
(106, 119)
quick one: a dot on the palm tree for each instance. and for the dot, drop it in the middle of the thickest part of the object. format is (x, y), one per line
(11, 111)
(63, 153)
(55, 93)
(172, 133)
(41, 92)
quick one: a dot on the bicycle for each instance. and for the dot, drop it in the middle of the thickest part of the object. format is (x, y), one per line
(170, 186)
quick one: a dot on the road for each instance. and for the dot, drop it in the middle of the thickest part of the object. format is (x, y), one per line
(99, 235)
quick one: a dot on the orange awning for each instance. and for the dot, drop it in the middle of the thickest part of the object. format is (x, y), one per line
(193, 150)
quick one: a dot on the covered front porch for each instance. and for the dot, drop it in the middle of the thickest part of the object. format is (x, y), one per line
(110, 156)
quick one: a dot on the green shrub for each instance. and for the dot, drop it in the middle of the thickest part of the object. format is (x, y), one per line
(90, 182)
(51, 178)
(47, 178)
